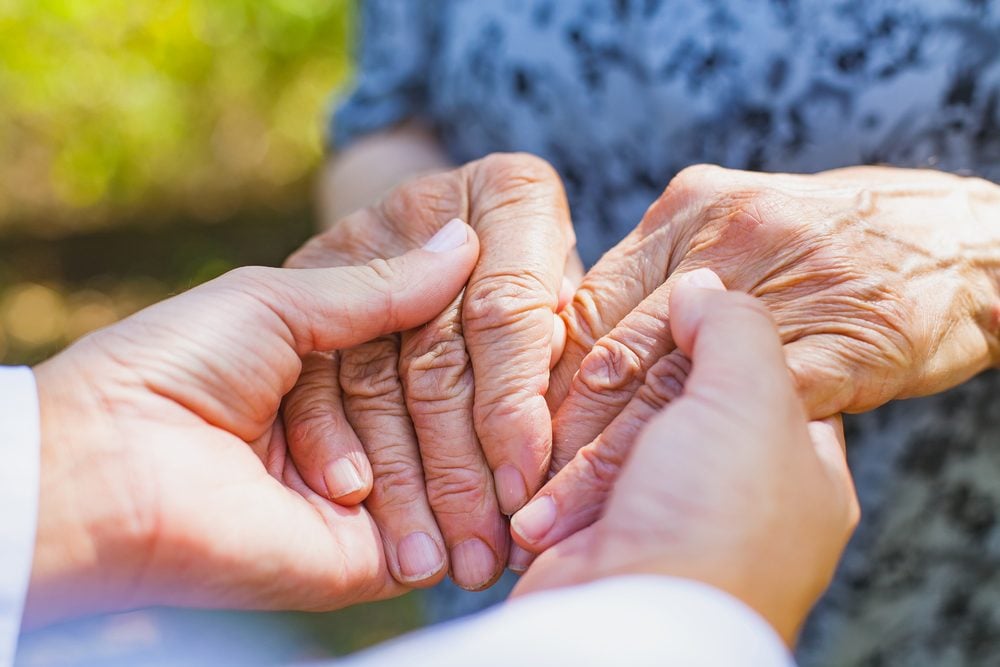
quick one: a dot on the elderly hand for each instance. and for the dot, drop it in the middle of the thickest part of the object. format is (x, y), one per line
(728, 484)
(432, 422)
(165, 476)
(883, 284)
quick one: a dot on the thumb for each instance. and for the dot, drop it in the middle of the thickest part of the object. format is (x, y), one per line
(329, 309)
(732, 342)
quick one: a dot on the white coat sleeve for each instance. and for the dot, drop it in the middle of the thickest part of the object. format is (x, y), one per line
(19, 462)
(633, 620)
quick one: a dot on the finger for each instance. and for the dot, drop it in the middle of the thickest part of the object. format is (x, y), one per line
(821, 377)
(439, 388)
(523, 221)
(520, 559)
(322, 443)
(831, 449)
(550, 571)
(375, 407)
(734, 346)
(575, 497)
(327, 309)
(611, 373)
(623, 277)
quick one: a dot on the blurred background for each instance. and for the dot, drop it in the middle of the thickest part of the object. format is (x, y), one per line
(146, 147)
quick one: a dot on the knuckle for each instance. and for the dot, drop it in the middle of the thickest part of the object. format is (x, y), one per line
(442, 372)
(436, 196)
(611, 366)
(457, 490)
(665, 380)
(396, 484)
(685, 194)
(505, 300)
(517, 169)
(585, 323)
(310, 428)
(369, 376)
(601, 465)
(697, 176)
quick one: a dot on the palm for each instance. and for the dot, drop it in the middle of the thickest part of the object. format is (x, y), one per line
(203, 447)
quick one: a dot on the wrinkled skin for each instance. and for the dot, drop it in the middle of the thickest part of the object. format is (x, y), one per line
(446, 426)
(728, 484)
(165, 475)
(883, 284)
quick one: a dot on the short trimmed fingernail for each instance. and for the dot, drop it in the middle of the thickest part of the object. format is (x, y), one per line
(704, 279)
(342, 478)
(473, 564)
(451, 236)
(419, 556)
(519, 559)
(535, 519)
(511, 490)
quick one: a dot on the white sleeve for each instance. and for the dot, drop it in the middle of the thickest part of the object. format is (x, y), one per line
(635, 620)
(19, 461)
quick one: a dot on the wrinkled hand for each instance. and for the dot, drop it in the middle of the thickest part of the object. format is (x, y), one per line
(728, 484)
(883, 283)
(431, 422)
(165, 474)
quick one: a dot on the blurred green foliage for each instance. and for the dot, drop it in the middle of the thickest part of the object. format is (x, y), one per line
(148, 146)
(113, 109)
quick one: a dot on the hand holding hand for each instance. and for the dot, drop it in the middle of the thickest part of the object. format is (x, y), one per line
(883, 284)
(728, 485)
(165, 473)
(445, 426)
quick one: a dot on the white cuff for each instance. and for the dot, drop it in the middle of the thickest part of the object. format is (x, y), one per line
(637, 620)
(19, 452)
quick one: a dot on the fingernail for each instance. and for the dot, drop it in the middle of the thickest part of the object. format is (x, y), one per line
(704, 279)
(535, 519)
(342, 478)
(473, 564)
(451, 236)
(519, 559)
(512, 493)
(419, 556)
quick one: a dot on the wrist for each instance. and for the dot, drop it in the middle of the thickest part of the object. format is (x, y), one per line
(89, 527)
(982, 254)
(772, 604)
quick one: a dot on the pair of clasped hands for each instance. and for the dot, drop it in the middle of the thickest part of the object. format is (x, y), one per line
(417, 396)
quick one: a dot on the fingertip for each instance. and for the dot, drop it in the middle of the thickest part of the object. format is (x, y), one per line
(345, 482)
(519, 559)
(533, 522)
(703, 278)
(421, 559)
(512, 491)
(452, 236)
(687, 304)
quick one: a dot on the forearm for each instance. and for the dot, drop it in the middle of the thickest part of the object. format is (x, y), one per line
(359, 175)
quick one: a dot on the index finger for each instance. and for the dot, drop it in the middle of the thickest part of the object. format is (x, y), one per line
(519, 209)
